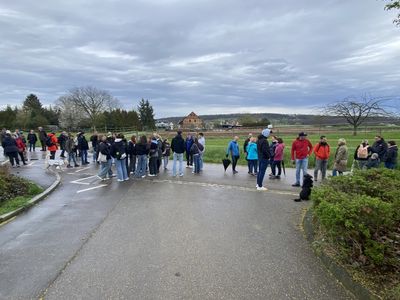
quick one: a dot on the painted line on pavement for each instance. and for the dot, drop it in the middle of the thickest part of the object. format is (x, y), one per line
(78, 181)
(225, 186)
(80, 170)
(92, 188)
(31, 164)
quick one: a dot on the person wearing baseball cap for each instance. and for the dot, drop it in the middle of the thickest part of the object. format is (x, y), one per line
(301, 150)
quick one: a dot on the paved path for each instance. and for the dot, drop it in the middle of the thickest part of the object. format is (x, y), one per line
(208, 236)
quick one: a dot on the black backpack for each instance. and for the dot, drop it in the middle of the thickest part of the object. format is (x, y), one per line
(49, 143)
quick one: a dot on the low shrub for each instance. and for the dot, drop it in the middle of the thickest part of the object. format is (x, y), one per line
(360, 216)
(11, 186)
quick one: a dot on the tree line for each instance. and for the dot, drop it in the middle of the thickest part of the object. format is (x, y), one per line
(82, 107)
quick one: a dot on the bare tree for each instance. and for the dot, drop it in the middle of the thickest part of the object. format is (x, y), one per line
(71, 116)
(91, 101)
(357, 110)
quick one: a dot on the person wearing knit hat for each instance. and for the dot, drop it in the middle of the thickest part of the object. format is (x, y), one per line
(263, 157)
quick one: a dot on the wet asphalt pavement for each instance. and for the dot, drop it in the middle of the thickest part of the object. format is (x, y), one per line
(208, 236)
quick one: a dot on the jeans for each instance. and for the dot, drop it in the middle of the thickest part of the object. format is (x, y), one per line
(105, 167)
(120, 165)
(84, 156)
(13, 156)
(277, 164)
(335, 172)
(390, 165)
(32, 146)
(234, 162)
(141, 165)
(189, 158)
(132, 163)
(320, 165)
(166, 159)
(252, 165)
(201, 161)
(72, 156)
(261, 172)
(196, 160)
(153, 165)
(177, 156)
(94, 153)
(362, 164)
(301, 165)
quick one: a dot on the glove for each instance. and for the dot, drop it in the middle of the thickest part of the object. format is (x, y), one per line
(227, 156)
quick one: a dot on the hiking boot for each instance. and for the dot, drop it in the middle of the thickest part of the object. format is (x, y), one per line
(296, 185)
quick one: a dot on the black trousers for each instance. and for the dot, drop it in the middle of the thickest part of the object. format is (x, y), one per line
(153, 165)
(234, 162)
(13, 156)
(189, 159)
(43, 143)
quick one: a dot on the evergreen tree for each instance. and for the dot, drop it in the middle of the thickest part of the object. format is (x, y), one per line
(146, 115)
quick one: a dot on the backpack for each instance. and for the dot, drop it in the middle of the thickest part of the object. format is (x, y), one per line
(49, 142)
(362, 151)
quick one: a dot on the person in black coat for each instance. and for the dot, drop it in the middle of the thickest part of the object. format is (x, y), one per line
(178, 148)
(391, 155)
(380, 147)
(142, 152)
(263, 157)
(83, 147)
(10, 148)
(62, 139)
(32, 139)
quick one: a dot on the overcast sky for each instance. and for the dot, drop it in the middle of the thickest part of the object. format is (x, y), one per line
(210, 56)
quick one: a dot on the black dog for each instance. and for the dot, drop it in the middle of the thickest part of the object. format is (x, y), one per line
(305, 188)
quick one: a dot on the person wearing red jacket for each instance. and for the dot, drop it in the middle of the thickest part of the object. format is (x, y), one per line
(322, 152)
(301, 150)
(52, 144)
(21, 148)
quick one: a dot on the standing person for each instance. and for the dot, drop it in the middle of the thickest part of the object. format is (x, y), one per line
(153, 157)
(361, 155)
(118, 151)
(272, 147)
(178, 148)
(166, 152)
(278, 158)
(322, 152)
(391, 155)
(246, 142)
(234, 152)
(188, 145)
(195, 152)
(202, 141)
(252, 156)
(141, 156)
(61, 141)
(83, 147)
(341, 157)
(132, 154)
(42, 138)
(21, 148)
(105, 166)
(301, 150)
(380, 147)
(94, 139)
(160, 152)
(51, 144)
(2, 135)
(10, 148)
(70, 147)
(263, 157)
(32, 139)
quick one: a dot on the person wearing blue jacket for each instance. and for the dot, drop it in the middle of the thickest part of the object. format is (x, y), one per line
(252, 155)
(233, 151)
(189, 157)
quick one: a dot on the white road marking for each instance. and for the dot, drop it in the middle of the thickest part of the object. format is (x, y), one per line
(92, 188)
(80, 170)
(31, 164)
(78, 181)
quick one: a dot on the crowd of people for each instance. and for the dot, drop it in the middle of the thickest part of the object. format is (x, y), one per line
(145, 155)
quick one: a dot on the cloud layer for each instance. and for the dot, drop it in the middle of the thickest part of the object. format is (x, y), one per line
(207, 56)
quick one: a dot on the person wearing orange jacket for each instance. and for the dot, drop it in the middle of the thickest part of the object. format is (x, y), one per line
(322, 152)
(301, 150)
(51, 144)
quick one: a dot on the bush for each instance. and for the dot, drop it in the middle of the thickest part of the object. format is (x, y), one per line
(11, 186)
(360, 215)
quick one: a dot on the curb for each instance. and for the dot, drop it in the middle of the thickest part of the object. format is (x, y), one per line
(340, 273)
(33, 201)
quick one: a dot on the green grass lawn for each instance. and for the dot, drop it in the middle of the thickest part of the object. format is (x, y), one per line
(20, 201)
(216, 146)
